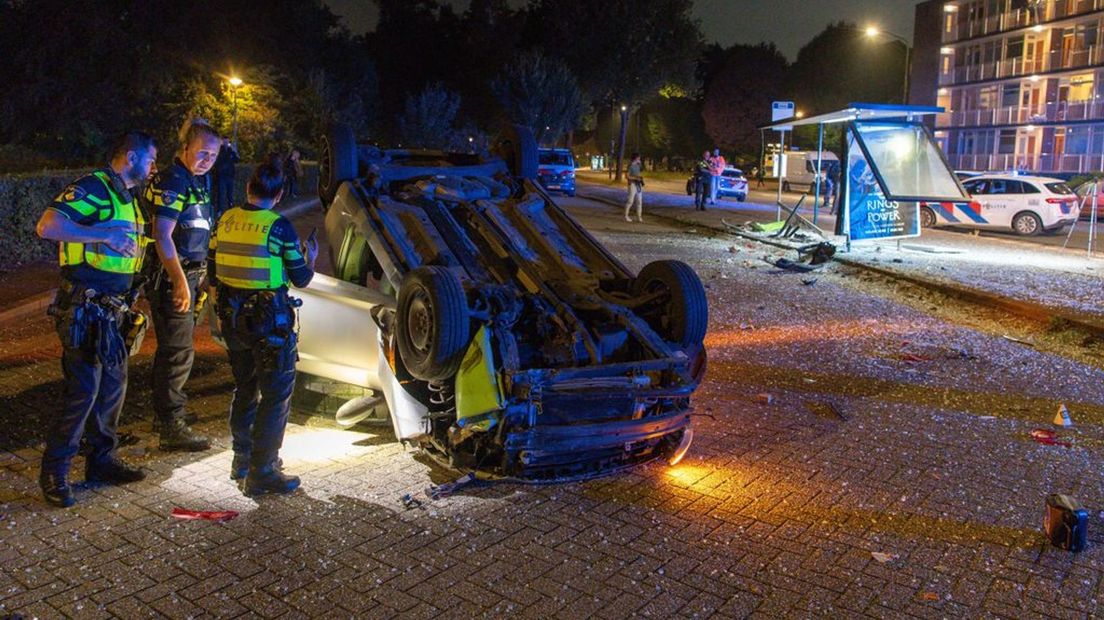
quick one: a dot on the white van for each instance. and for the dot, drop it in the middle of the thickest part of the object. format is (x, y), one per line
(799, 169)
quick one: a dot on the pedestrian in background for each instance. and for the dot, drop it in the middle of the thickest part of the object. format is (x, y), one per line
(255, 253)
(101, 236)
(636, 189)
(702, 179)
(222, 186)
(180, 200)
(293, 169)
(758, 177)
(716, 170)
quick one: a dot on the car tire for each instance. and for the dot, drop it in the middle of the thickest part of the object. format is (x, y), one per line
(432, 323)
(570, 194)
(1027, 224)
(337, 161)
(684, 316)
(690, 187)
(516, 145)
(785, 186)
(741, 197)
(927, 218)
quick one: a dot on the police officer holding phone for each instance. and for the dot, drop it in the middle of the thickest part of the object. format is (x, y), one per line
(101, 237)
(255, 253)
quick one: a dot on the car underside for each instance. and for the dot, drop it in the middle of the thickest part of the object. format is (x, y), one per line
(517, 345)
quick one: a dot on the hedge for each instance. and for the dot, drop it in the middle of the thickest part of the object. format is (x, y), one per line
(24, 196)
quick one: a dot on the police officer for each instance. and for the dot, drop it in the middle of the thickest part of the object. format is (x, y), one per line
(255, 253)
(100, 233)
(180, 203)
(702, 180)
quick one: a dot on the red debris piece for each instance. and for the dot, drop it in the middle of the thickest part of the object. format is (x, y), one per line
(912, 357)
(764, 398)
(1048, 437)
(218, 516)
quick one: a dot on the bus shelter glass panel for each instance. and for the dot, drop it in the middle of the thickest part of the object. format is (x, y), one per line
(908, 165)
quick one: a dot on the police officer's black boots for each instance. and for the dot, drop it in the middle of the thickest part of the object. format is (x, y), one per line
(112, 471)
(239, 469)
(179, 436)
(269, 479)
(55, 488)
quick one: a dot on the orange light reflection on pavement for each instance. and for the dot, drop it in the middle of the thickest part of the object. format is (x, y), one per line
(828, 330)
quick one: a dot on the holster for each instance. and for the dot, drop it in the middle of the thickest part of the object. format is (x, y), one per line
(267, 319)
(88, 321)
(134, 328)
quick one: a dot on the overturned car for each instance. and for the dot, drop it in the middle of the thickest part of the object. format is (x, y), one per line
(505, 338)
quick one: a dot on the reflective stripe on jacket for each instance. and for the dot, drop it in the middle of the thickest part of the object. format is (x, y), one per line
(242, 256)
(124, 210)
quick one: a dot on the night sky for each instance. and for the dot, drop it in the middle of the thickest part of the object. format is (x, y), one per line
(788, 23)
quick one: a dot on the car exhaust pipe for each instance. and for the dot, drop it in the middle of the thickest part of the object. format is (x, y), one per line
(357, 409)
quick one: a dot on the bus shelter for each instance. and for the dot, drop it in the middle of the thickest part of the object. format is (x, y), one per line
(890, 164)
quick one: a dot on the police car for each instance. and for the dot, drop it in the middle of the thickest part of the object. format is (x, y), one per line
(1025, 204)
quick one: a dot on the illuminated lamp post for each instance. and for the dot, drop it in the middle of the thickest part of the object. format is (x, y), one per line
(873, 32)
(234, 82)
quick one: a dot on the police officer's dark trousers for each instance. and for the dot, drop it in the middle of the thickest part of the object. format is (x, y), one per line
(93, 397)
(172, 362)
(700, 192)
(264, 378)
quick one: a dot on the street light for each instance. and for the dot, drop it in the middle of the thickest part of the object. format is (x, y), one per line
(234, 82)
(873, 32)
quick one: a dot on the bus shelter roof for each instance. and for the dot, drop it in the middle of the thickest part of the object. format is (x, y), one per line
(858, 111)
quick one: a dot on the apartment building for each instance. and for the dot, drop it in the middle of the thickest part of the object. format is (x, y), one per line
(1022, 82)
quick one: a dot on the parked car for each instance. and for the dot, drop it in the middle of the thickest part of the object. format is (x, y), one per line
(556, 170)
(967, 174)
(1087, 205)
(507, 339)
(1026, 205)
(733, 183)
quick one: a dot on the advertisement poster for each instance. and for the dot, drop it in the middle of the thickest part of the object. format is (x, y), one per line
(870, 215)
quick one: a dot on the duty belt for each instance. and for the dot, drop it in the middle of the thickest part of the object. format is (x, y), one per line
(79, 292)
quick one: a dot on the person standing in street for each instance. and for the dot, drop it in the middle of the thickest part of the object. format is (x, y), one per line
(293, 169)
(702, 179)
(255, 253)
(180, 200)
(101, 236)
(222, 185)
(716, 170)
(636, 189)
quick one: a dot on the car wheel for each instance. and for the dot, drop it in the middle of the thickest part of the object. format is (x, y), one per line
(785, 186)
(518, 148)
(683, 315)
(337, 161)
(432, 323)
(690, 187)
(927, 218)
(570, 194)
(1027, 224)
(741, 197)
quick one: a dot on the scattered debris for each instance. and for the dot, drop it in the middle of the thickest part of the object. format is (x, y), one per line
(1048, 437)
(929, 596)
(410, 502)
(733, 249)
(1065, 522)
(1062, 417)
(444, 490)
(746, 326)
(218, 516)
(808, 281)
(912, 358)
(882, 557)
(1017, 340)
(764, 398)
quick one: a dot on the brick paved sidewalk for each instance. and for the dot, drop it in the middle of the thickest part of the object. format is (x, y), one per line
(780, 510)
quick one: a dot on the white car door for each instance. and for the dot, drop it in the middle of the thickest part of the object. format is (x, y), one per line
(996, 204)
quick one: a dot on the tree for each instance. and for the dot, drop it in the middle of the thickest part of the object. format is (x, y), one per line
(428, 121)
(841, 65)
(742, 85)
(622, 51)
(540, 93)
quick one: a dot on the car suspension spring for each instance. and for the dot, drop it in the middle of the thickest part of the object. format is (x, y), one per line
(442, 400)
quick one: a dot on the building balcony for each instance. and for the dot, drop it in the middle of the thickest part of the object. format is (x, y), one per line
(1056, 60)
(1059, 112)
(997, 162)
(1020, 18)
